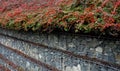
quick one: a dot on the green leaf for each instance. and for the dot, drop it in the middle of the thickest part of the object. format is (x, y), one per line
(66, 29)
(10, 24)
(36, 26)
(71, 19)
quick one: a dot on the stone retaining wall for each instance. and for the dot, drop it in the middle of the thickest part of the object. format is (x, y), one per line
(58, 52)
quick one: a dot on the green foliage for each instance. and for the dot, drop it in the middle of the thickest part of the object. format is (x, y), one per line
(80, 15)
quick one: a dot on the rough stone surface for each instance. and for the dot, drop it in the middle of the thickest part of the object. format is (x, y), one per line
(106, 50)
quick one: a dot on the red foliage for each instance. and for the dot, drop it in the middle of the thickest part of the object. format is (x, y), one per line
(31, 14)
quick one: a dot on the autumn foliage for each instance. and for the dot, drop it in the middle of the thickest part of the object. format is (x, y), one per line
(47, 15)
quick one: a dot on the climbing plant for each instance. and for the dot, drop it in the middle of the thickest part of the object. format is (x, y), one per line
(46, 15)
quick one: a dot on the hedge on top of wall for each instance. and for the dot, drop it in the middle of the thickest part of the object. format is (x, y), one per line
(101, 16)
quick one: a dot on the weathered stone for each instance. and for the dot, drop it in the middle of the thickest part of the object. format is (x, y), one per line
(99, 49)
(71, 45)
(92, 47)
(117, 57)
(40, 56)
(68, 68)
(62, 42)
(74, 68)
(27, 64)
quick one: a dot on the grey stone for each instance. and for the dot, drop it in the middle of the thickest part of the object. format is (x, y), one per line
(71, 45)
(99, 49)
(107, 51)
(27, 64)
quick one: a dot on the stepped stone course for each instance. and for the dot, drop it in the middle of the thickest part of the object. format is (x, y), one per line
(58, 52)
